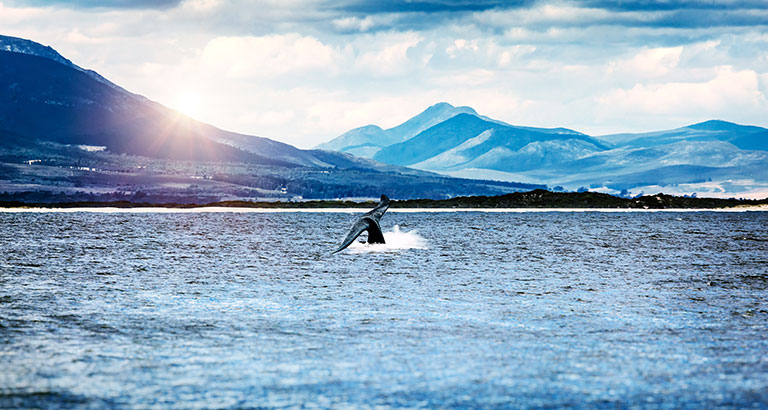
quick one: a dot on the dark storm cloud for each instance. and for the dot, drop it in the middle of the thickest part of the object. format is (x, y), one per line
(112, 4)
(428, 6)
(687, 14)
(667, 5)
(681, 13)
(421, 14)
(701, 18)
(416, 14)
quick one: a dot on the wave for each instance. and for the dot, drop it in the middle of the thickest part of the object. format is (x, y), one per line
(396, 240)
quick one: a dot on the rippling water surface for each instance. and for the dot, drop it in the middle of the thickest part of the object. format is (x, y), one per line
(459, 309)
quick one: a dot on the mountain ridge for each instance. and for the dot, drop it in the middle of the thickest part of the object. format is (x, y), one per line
(365, 141)
(66, 132)
(459, 129)
(475, 146)
(29, 47)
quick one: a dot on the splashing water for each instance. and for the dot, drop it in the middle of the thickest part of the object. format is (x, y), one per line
(396, 240)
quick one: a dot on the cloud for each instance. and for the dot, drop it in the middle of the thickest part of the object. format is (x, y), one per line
(275, 55)
(654, 62)
(709, 18)
(539, 15)
(77, 37)
(483, 54)
(273, 118)
(350, 24)
(405, 15)
(202, 6)
(543, 15)
(663, 5)
(427, 6)
(388, 54)
(111, 4)
(16, 15)
(729, 91)
(304, 71)
(653, 14)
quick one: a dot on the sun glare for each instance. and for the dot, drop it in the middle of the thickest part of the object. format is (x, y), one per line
(187, 104)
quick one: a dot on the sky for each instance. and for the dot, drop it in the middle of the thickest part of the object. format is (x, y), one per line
(304, 72)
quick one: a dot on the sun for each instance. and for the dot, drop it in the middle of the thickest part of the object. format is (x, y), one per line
(188, 104)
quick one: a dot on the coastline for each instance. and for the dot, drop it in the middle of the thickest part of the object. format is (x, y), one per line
(539, 200)
(219, 209)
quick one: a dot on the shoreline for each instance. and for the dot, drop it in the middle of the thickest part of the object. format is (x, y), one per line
(220, 209)
(539, 200)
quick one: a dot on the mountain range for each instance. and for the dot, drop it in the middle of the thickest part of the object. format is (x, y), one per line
(67, 132)
(716, 158)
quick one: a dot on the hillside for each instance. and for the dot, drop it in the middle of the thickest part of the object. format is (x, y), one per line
(68, 132)
(474, 137)
(746, 137)
(368, 140)
(715, 158)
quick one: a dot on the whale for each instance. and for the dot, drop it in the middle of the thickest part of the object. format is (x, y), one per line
(368, 222)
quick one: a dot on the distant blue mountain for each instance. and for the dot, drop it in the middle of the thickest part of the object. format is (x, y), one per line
(364, 141)
(747, 137)
(45, 97)
(474, 137)
(368, 140)
(50, 106)
(713, 155)
(753, 141)
(68, 129)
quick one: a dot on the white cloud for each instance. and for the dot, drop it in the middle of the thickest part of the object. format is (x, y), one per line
(353, 23)
(652, 62)
(462, 56)
(460, 45)
(273, 117)
(476, 77)
(562, 13)
(77, 37)
(301, 73)
(387, 54)
(14, 15)
(541, 15)
(729, 91)
(764, 83)
(201, 6)
(275, 55)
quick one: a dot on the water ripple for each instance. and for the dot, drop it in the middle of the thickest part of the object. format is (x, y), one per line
(459, 310)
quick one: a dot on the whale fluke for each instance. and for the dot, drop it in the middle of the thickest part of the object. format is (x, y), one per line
(368, 222)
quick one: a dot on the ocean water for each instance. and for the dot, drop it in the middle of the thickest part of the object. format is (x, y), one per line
(457, 310)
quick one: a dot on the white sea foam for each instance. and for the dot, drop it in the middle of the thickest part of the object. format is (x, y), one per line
(395, 240)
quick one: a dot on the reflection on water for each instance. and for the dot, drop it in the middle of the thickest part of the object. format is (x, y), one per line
(212, 310)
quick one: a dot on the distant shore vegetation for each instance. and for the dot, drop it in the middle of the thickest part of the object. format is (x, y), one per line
(537, 198)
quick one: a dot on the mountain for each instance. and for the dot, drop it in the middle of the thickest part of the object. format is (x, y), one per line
(368, 140)
(712, 157)
(753, 141)
(69, 130)
(746, 137)
(444, 138)
(711, 163)
(471, 137)
(45, 100)
(22, 46)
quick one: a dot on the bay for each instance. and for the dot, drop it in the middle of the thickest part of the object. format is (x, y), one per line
(458, 310)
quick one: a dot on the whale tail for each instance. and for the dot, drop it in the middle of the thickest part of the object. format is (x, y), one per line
(368, 222)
